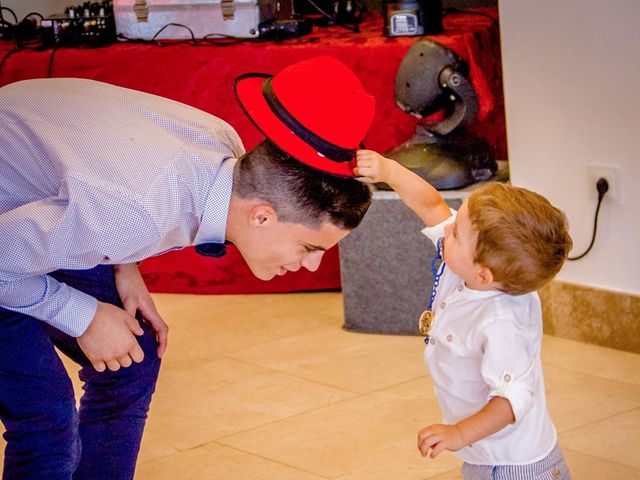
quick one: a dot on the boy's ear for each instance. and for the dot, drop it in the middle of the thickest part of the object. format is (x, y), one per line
(262, 214)
(485, 275)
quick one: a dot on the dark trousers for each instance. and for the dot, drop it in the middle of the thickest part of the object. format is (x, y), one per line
(47, 436)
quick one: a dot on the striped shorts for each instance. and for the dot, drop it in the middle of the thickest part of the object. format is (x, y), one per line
(551, 467)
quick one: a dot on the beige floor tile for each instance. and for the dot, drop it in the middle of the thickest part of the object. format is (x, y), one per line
(586, 467)
(203, 327)
(353, 361)
(216, 462)
(371, 437)
(575, 399)
(198, 404)
(278, 380)
(616, 439)
(591, 359)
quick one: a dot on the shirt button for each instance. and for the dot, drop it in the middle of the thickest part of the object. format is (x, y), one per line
(449, 338)
(443, 304)
(557, 473)
(507, 378)
(460, 287)
(432, 341)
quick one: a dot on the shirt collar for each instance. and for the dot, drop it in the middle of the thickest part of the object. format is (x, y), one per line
(471, 294)
(213, 225)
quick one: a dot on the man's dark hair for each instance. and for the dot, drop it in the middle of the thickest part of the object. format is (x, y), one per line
(298, 193)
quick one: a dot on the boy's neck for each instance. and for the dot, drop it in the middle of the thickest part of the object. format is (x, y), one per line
(481, 286)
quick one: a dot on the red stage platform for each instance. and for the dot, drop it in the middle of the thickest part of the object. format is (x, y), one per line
(203, 77)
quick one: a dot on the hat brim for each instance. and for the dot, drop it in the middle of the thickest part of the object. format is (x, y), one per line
(248, 91)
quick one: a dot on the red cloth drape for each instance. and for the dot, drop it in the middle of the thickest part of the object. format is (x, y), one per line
(203, 77)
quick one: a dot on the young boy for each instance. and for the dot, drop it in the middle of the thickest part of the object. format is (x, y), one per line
(484, 337)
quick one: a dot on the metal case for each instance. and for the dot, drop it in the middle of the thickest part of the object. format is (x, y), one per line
(145, 18)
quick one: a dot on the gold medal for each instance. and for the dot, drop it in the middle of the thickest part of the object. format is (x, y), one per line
(425, 322)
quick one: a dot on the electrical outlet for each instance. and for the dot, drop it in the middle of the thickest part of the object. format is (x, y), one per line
(612, 174)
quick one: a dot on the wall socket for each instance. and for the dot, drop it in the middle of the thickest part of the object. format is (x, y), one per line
(612, 174)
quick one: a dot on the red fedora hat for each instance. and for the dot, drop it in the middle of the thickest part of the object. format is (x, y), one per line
(315, 110)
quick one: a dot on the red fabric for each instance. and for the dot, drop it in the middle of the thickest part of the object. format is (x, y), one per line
(203, 77)
(185, 271)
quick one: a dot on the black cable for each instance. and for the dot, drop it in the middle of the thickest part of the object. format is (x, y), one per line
(210, 39)
(50, 68)
(193, 37)
(603, 187)
(4, 59)
(355, 28)
(31, 14)
(15, 17)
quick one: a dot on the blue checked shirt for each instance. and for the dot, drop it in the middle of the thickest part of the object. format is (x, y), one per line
(96, 174)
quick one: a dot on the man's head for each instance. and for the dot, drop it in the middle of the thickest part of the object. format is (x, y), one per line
(288, 208)
(284, 214)
(512, 238)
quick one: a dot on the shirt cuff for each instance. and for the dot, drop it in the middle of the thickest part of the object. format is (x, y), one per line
(74, 317)
(436, 232)
(521, 399)
(44, 298)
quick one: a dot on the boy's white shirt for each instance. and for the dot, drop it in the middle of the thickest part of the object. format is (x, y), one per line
(485, 344)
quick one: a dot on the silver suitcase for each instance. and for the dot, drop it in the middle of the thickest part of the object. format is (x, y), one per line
(145, 19)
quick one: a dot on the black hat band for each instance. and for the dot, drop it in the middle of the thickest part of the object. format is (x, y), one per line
(327, 149)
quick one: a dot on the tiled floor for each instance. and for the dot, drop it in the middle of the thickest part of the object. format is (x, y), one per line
(271, 387)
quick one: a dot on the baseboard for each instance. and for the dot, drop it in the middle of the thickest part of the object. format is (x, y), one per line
(591, 315)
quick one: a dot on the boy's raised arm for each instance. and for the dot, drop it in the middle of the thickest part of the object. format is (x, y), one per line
(416, 193)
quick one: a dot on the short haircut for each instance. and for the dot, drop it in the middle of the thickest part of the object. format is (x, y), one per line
(298, 193)
(522, 238)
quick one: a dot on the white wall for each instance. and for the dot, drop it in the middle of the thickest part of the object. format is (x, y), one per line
(572, 94)
(43, 7)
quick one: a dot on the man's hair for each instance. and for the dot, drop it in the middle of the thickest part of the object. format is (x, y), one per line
(298, 193)
(522, 238)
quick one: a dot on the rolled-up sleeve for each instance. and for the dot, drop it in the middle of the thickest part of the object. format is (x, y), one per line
(508, 365)
(46, 299)
(436, 232)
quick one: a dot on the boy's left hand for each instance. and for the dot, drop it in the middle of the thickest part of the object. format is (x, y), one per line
(371, 167)
(439, 437)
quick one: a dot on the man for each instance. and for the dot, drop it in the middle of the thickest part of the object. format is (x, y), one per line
(94, 178)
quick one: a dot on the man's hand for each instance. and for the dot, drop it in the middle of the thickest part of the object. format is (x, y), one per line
(372, 167)
(135, 296)
(438, 438)
(109, 341)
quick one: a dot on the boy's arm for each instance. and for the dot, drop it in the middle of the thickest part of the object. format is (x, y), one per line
(492, 418)
(415, 192)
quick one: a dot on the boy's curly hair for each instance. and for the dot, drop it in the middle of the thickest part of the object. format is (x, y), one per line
(522, 238)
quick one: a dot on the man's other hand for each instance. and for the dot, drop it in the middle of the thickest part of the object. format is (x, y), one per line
(109, 340)
(135, 297)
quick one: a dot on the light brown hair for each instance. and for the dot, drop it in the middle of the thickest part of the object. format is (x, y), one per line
(522, 238)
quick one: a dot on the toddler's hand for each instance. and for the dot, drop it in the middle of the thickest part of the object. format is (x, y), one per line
(372, 167)
(438, 438)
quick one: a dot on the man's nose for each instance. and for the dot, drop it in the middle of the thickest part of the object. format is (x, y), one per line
(312, 261)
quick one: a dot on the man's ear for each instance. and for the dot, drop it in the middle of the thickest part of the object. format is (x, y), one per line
(262, 214)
